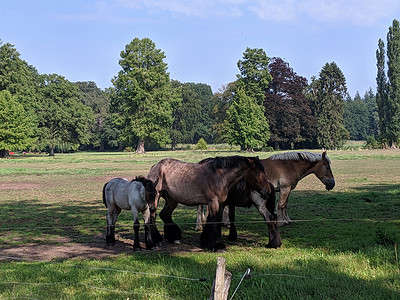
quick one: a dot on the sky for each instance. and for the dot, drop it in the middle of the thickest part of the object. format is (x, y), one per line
(201, 39)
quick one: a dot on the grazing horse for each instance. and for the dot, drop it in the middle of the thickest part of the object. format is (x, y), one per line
(137, 196)
(205, 183)
(284, 171)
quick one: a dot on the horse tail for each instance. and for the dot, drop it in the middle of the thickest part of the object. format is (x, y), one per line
(104, 195)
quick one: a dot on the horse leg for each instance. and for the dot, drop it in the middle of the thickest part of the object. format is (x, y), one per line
(226, 217)
(275, 240)
(210, 238)
(150, 236)
(283, 218)
(112, 214)
(232, 228)
(136, 227)
(269, 216)
(172, 232)
(200, 218)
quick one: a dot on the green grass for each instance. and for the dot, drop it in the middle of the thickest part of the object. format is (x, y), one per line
(343, 244)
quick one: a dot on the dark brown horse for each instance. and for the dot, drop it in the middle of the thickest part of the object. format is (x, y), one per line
(284, 171)
(205, 183)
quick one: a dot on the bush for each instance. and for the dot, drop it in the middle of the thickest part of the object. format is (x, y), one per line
(201, 144)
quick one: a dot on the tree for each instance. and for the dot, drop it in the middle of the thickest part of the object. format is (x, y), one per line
(192, 118)
(222, 100)
(63, 119)
(19, 78)
(288, 110)
(356, 118)
(247, 125)
(388, 88)
(99, 102)
(372, 108)
(254, 73)
(142, 95)
(328, 93)
(16, 131)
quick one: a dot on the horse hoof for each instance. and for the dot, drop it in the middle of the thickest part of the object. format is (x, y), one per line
(177, 242)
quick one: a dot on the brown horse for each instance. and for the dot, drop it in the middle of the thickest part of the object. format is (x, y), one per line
(284, 171)
(205, 183)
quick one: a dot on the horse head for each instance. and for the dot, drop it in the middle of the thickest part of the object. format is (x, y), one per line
(256, 178)
(324, 172)
(150, 192)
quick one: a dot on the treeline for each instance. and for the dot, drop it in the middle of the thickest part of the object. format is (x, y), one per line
(268, 106)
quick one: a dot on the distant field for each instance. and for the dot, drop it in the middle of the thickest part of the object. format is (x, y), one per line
(343, 244)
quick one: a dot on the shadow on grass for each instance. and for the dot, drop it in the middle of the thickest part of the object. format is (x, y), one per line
(35, 230)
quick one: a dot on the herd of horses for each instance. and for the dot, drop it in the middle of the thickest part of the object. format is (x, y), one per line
(220, 184)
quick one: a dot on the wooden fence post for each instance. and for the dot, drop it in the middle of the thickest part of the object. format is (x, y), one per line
(221, 282)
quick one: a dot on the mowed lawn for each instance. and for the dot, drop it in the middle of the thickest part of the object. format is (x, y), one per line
(343, 244)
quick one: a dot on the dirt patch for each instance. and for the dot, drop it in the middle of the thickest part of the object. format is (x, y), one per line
(98, 250)
(19, 186)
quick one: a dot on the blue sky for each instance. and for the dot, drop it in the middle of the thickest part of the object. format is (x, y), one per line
(202, 39)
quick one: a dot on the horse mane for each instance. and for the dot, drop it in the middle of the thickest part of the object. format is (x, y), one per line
(231, 162)
(299, 155)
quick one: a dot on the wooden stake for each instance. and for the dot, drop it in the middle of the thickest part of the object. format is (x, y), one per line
(222, 281)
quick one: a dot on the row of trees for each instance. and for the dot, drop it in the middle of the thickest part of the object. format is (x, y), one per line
(267, 105)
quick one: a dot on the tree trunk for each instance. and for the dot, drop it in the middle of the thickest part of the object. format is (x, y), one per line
(51, 151)
(140, 147)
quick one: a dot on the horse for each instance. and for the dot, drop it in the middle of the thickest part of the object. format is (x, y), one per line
(243, 196)
(204, 183)
(284, 171)
(137, 196)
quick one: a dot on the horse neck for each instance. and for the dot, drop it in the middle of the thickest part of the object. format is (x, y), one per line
(306, 168)
(233, 178)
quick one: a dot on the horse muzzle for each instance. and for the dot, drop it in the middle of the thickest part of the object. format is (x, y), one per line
(330, 184)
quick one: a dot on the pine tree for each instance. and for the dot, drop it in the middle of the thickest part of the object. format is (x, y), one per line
(330, 91)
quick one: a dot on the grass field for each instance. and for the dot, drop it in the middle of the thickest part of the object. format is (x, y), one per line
(343, 244)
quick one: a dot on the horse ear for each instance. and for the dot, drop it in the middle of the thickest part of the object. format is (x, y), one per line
(323, 155)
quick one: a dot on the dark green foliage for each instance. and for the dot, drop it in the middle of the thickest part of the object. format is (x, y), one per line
(328, 93)
(192, 118)
(388, 87)
(356, 118)
(99, 102)
(142, 95)
(62, 118)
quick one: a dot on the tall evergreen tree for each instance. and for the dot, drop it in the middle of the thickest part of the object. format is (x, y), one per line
(142, 95)
(382, 87)
(329, 92)
(393, 53)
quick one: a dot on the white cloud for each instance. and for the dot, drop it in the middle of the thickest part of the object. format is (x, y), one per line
(358, 12)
